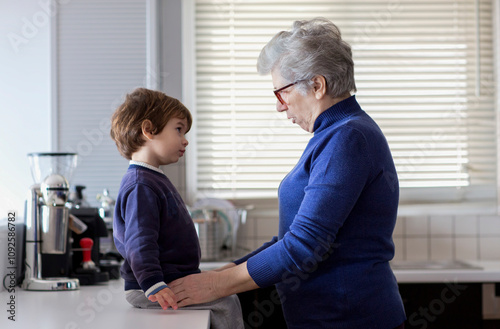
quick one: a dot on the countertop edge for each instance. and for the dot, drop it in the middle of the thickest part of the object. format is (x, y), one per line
(489, 272)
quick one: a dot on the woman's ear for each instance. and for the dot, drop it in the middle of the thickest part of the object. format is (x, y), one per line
(319, 86)
(147, 129)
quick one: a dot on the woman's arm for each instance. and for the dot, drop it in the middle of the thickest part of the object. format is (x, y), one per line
(225, 267)
(208, 286)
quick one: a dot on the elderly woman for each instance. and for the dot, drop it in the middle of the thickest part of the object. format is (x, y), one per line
(337, 207)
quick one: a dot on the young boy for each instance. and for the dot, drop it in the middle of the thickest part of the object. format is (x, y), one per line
(153, 230)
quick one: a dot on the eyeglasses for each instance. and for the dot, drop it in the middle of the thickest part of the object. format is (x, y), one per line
(278, 91)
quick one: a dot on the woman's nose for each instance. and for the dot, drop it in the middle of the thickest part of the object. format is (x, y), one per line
(185, 142)
(281, 107)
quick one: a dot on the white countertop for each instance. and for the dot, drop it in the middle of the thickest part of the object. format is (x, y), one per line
(97, 307)
(104, 306)
(484, 271)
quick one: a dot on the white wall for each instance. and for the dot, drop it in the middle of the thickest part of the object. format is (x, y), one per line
(24, 96)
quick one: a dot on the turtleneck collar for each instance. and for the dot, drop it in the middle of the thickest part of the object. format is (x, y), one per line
(337, 112)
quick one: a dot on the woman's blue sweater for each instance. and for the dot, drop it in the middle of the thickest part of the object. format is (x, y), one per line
(337, 211)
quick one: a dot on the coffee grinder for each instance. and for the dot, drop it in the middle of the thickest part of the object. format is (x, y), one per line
(47, 217)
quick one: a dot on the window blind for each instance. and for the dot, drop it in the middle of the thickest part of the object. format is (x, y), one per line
(424, 72)
(101, 55)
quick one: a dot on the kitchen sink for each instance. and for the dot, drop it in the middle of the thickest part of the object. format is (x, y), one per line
(433, 265)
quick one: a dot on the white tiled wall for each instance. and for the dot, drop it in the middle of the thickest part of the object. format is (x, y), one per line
(260, 227)
(447, 238)
(415, 237)
(451, 237)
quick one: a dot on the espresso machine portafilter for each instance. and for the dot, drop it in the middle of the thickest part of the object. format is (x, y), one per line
(47, 218)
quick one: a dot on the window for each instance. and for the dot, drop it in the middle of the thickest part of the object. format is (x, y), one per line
(424, 72)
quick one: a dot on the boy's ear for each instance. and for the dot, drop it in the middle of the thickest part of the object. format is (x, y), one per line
(147, 129)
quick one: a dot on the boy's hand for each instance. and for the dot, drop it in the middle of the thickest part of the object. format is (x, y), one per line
(166, 298)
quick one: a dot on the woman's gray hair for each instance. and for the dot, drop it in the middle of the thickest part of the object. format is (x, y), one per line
(311, 48)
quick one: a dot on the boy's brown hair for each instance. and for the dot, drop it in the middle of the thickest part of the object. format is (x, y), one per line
(140, 105)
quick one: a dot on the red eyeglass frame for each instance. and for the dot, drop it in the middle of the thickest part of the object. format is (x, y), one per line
(277, 91)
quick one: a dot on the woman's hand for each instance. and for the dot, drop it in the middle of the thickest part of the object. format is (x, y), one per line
(166, 297)
(195, 288)
(208, 286)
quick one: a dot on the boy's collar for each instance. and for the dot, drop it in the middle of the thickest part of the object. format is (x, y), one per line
(145, 165)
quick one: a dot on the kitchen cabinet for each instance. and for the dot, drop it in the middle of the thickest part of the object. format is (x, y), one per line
(261, 309)
(427, 306)
(442, 305)
(447, 294)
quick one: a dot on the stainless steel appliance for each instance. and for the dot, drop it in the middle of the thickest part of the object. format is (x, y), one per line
(213, 228)
(47, 217)
(217, 222)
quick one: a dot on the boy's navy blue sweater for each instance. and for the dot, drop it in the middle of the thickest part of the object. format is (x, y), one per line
(337, 209)
(153, 230)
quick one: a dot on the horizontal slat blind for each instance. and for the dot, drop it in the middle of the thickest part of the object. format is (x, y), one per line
(423, 72)
(101, 57)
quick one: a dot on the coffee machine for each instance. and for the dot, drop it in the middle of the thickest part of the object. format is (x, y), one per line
(47, 218)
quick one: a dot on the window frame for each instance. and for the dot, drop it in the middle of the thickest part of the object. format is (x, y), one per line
(476, 199)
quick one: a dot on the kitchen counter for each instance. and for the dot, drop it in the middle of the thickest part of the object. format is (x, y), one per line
(439, 272)
(431, 272)
(97, 307)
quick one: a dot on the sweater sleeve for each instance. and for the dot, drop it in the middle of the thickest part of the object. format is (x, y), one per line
(142, 224)
(338, 171)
